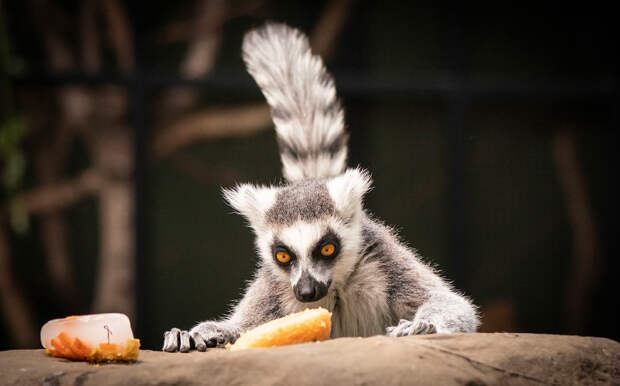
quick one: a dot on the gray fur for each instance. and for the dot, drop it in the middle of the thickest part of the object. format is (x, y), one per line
(414, 288)
(378, 285)
(306, 200)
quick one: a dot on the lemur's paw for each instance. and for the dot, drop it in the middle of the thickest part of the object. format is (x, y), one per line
(200, 337)
(210, 334)
(411, 327)
(176, 340)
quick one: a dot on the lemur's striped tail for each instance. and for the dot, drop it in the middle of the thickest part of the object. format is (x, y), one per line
(308, 116)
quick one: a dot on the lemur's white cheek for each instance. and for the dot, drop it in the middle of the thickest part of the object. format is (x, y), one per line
(263, 244)
(320, 275)
(295, 274)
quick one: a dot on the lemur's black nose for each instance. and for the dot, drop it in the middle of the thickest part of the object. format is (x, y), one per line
(308, 289)
(307, 292)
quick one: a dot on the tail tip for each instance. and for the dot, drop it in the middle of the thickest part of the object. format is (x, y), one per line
(272, 33)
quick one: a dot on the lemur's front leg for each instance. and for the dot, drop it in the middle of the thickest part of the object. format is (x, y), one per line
(442, 312)
(201, 336)
(428, 305)
(259, 305)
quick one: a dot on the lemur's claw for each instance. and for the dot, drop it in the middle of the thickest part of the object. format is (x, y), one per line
(411, 327)
(185, 345)
(199, 343)
(179, 340)
(171, 340)
(201, 337)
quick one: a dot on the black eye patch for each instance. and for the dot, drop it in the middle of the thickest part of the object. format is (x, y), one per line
(282, 255)
(327, 248)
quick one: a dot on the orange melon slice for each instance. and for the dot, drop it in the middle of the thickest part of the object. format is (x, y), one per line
(310, 325)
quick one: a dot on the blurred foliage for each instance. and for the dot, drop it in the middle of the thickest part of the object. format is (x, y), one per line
(12, 133)
(9, 63)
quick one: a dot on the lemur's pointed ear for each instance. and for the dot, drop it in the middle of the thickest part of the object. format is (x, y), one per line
(251, 201)
(348, 190)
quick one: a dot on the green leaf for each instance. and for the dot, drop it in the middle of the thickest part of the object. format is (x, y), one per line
(18, 217)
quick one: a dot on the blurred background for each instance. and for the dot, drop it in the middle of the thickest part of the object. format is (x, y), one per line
(490, 132)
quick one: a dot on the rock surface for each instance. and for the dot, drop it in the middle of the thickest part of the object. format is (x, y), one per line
(459, 359)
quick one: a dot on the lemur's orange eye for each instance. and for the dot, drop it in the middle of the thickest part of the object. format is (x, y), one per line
(283, 257)
(328, 249)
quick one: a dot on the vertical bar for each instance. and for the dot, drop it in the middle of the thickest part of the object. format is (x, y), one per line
(457, 191)
(455, 130)
(612, 329)
(357, 104)
(139, 124)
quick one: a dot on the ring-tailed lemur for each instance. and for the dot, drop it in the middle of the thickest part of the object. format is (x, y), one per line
(317, 245)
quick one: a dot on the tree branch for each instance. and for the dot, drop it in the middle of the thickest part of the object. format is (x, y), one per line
(119, 34)
(206, 36)
(53, 229)
(213, 124)
(56, 196)
(17, 311)
(586, 263)
(199, 59)
(91, 58)
(249, 119)
(324, 36)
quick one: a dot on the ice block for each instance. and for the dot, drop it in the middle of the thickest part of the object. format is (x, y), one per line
(94, 338)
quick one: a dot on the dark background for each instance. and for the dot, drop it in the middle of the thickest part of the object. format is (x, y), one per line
(490, 131)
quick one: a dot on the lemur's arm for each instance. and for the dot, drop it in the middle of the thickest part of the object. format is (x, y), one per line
(418, 297)
(431, 306)
(258, 305)
(442, 312)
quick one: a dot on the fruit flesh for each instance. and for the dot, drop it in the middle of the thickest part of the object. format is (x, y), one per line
(302, 327)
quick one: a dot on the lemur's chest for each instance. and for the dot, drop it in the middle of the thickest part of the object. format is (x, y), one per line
(359, 308)
(362, 308)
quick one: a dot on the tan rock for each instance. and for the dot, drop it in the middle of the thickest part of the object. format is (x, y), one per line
(459, 359)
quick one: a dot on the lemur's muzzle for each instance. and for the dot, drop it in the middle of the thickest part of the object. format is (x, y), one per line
(308, 289)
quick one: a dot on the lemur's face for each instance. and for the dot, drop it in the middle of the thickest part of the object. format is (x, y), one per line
(312, 255)
(308, 232)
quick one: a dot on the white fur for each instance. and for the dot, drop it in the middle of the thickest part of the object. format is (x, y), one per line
(251, 201)
(301, 237)
(301, 93)
(348, 190)
(323, 165)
